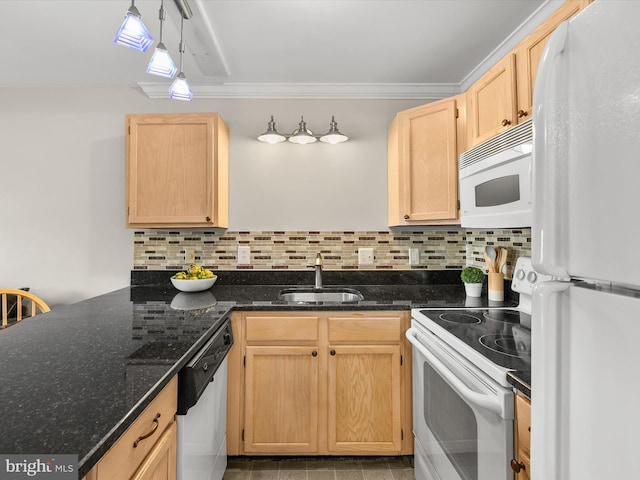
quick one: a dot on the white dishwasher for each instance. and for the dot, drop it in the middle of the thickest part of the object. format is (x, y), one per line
(202, 410)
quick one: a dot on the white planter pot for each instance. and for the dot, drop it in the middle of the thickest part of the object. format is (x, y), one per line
(473, 289)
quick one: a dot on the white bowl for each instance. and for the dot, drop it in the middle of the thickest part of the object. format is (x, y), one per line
(194, 285)
(193, 300)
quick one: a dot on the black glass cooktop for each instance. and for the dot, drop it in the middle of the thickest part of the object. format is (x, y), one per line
(497, 334)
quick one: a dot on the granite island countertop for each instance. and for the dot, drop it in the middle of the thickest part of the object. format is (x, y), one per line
(75, 378)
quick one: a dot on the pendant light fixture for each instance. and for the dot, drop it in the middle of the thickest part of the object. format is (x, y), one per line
(271, 135)
(161, 63)
(133, 33)
(302, 135)
(180, 89)
(333, 136)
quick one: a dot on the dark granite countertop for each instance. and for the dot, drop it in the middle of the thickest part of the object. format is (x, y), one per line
(521, 382)
(75, 378)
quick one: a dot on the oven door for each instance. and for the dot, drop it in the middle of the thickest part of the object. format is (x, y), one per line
(463, 420)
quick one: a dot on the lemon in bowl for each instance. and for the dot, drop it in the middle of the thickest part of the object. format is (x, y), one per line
(195, 279)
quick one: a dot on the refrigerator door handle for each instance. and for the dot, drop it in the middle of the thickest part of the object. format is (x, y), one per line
(546, 446)
(549, 179)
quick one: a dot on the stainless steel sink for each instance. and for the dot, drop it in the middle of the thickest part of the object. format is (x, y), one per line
(317, 295)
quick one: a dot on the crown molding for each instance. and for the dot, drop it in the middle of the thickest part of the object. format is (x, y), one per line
(392, 91)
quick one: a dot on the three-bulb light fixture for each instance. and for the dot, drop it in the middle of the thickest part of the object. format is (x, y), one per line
(302, 135)
(134, 34)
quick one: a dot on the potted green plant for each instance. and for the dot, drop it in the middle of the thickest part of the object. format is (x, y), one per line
(473, 277)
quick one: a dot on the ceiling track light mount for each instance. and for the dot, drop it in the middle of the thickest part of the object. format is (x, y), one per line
(302, 135)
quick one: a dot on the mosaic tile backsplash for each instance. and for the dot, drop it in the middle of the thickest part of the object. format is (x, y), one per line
(438, 250)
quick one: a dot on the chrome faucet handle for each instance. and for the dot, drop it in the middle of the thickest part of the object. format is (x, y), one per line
(319, 259)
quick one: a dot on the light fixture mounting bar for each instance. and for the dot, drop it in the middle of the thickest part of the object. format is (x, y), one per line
(185, 9)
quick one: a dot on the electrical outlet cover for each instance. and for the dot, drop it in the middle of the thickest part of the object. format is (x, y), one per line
(365, 256)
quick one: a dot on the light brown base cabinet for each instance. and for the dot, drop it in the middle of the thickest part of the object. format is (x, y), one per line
(319, 383)
(521, 464)
(147, 449)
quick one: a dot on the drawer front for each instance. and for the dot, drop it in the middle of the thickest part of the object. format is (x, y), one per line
(381, 329)
(123, 459)
(281, 328)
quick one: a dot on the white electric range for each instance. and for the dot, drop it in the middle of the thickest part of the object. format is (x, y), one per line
(463, 403)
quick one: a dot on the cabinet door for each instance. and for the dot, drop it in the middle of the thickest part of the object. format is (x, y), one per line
(423, 167)
(491, 102)
(177, 170)
(281, 400)
(523, 438)
(364, 399)
(160, 464)
(529, 52)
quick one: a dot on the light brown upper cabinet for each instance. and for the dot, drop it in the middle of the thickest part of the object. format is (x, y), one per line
(503, 97)
(529, 53)
(177, 170)
(422, 164)
(491, 102)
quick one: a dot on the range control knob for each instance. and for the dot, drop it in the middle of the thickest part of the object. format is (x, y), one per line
(532, 277)
(520, 274)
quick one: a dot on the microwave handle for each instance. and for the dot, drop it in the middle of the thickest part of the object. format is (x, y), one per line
(489, 402)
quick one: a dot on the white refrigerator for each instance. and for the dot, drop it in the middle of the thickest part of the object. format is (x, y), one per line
(586, 232)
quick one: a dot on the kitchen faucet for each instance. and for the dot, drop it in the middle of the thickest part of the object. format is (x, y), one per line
(318, 271)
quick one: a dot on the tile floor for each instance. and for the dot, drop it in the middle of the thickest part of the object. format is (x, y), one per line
(319, 468)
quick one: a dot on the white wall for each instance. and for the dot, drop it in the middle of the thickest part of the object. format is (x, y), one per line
(62, 228)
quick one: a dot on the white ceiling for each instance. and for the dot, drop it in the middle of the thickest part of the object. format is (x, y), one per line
(265, 47)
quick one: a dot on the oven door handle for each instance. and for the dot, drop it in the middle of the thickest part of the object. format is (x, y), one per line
(488, 402)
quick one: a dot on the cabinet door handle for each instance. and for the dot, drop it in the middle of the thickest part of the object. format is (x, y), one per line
(522, 113)
(517, 466)
(506, 122)
(208, 219)
(407, 217)
(314, 354)
(332, 352)
(156, 424)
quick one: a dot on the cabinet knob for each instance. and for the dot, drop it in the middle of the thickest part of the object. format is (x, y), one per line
(406, 217)
(208, 219)
(517, 466)
(506, 122)
(332, 352)
(314, 354)
(522, 113)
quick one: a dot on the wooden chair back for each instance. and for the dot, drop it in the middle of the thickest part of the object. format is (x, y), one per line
(13, 311)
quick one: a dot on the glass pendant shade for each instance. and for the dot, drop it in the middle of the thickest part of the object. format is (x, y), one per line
(302, 135)
(161, 63)
(271, 135)
(180, 89)
(334, 135)
(133, 33)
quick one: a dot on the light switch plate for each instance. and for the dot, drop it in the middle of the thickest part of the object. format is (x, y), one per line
(414, 257)
(244, 255)
(189, 255)
(365, 256)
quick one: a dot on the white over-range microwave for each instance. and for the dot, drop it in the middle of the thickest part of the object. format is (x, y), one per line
(495, 181)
